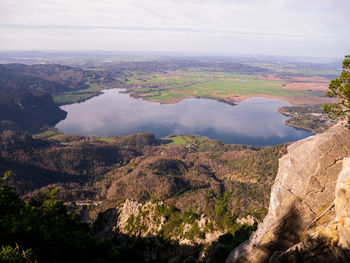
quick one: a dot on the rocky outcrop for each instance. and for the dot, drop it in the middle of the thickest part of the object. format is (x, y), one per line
(139, 220)
(151, 219)
(248, 220)
(308, 218)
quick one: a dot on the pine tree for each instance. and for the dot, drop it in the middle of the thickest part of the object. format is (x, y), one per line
(340, 88)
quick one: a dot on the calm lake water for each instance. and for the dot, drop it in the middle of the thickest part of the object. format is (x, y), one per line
(254, 121)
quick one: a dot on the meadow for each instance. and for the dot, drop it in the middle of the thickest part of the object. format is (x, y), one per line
(75, 96)
(173, 86)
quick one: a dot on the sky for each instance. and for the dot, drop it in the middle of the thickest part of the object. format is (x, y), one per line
(316, 28)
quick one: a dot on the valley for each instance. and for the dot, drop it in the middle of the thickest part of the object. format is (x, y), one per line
(170, 80)
(166, 194)
(174, 131)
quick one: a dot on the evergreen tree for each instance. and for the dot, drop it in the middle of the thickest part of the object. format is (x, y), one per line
(340, 88)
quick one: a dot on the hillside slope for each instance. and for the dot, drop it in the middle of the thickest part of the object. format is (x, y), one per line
(50, 78)
(26, 101)
(184, 196)
(28, 110)
(308, 217)
(30, 94)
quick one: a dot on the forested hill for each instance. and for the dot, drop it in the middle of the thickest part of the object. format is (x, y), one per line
(195, 183)
(50, 78)
(28, 110)
(26, 102)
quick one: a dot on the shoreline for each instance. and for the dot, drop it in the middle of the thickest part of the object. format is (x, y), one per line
(234, 98)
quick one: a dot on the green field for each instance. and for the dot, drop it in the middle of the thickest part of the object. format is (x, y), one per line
(70, 97)
(177, 85)
(45, 134)
(223, 88)
(182, 140)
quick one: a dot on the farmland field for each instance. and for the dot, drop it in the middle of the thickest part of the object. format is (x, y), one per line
(173, 86)
(172, 80)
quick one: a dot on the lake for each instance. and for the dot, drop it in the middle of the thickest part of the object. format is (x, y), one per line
(254, 121)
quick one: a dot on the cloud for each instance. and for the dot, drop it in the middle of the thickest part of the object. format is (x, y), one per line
(161, 29)
(321, 20)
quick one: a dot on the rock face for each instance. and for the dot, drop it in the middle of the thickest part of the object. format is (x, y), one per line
(137, 219)
(309, 212)
(342, 208)
(132, 218)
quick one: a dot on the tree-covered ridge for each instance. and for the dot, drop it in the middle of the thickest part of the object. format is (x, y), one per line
(28, 110)
(43, 230)
(26, 94)
(52, 78)
(194, 175)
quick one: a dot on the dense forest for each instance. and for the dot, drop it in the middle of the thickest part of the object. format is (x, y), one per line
(195, 179)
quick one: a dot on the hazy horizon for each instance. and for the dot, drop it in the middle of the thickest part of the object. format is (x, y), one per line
(221, 27)
(164, 54)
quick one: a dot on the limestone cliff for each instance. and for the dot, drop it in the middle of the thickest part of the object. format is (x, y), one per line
(309, 212)
(151, 219)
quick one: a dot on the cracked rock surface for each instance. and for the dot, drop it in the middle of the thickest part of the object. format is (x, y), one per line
(304, 212)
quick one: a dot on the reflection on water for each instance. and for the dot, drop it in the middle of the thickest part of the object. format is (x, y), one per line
(253, 121)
